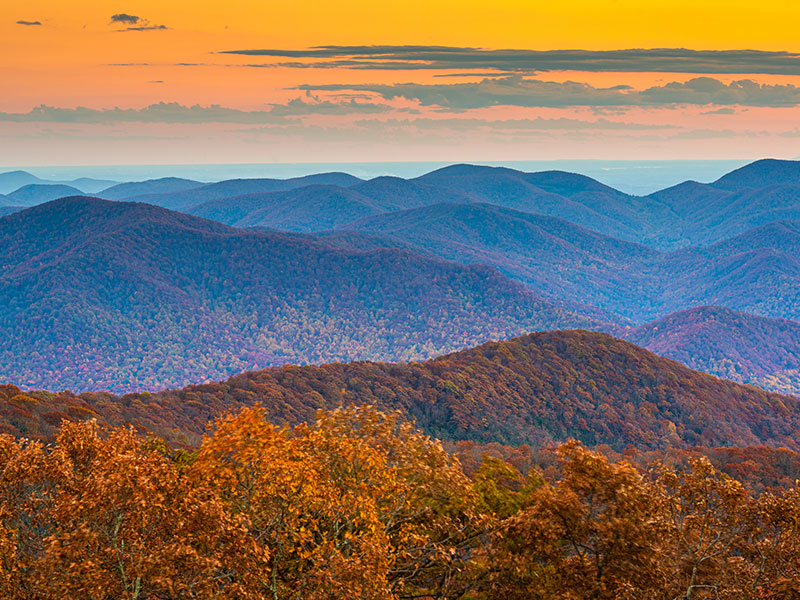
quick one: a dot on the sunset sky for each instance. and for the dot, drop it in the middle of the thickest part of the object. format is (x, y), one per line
(92, 82)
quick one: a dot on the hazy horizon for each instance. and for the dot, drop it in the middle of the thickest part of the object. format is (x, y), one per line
(630, 176)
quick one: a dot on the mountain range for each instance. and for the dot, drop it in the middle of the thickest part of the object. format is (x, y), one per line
(181, 200)
(581, 252)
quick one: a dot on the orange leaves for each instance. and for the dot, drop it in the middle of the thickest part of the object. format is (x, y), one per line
(115, 520)
(345, 507)
(362, 505)
(608, 531)
(590, 535)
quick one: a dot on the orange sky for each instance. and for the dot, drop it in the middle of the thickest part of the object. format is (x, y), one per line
(72, 58)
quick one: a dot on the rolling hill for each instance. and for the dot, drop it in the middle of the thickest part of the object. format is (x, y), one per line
(240, 187)
(761, 173)
(38, 193)
(13, 180)
(729, 344)
(756, 272)
(121, 296)
(558, 259)
(755, 195)
(164, 185)
(394, 193)
(536, 389)
(569, 196)
(310, 208)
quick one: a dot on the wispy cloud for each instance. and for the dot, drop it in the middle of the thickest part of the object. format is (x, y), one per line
(517, 90)
(29, 23)
(661, 60)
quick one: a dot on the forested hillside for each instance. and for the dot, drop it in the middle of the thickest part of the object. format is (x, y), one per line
(100, 295)
(757, 271)
(728, 344)
(538, 389)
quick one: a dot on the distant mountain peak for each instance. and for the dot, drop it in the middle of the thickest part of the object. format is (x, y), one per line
(761, 173)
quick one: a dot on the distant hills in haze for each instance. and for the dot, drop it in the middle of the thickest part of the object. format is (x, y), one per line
(686, 215)
(13, 180)
(38, 193)
(165, 185)
(256, 272)
(181, 200)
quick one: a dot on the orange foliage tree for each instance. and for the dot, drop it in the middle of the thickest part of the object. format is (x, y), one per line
(360, 504)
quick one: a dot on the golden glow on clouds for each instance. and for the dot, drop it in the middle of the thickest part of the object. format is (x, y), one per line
(73, 58)
(77, 40)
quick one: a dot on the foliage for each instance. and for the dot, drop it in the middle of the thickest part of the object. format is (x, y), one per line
(360, 504)
(536, 390)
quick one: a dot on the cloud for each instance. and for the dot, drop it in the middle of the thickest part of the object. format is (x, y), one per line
(315, 106)
(29, 23)
(516, 90)
(146, 28)
(707, 90)
(135, 23)
(125, 19)
(172, 112)
(721, 111)
(635, 60)
(518, 125)
(511, 90)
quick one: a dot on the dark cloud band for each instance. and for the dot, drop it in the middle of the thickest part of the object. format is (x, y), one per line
(29, 23)
(666, 60)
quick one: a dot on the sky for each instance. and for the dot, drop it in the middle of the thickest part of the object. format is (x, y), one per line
(146, 82)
